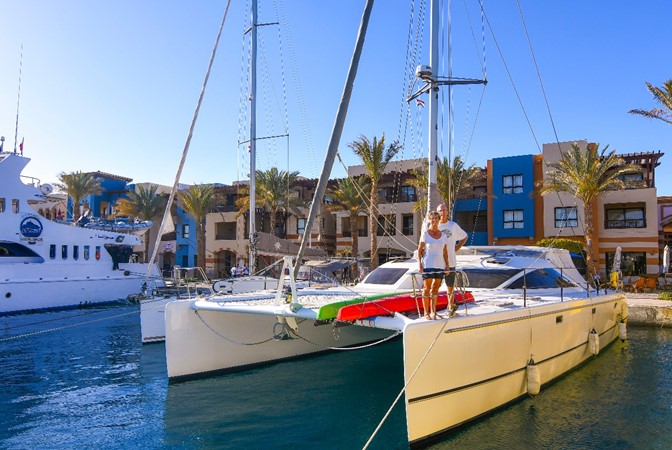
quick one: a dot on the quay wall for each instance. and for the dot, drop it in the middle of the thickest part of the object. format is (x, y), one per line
(647, 310)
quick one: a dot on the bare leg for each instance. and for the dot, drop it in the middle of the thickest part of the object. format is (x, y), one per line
(425, 297)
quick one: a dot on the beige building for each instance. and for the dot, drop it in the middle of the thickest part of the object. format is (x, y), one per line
(627, 218)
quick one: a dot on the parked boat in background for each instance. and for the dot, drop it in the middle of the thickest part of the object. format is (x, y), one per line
(46, 264)
(190, 283)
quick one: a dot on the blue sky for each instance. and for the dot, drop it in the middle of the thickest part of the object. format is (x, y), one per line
(112, 86)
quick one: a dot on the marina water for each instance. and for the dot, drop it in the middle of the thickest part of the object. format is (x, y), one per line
(81, 379)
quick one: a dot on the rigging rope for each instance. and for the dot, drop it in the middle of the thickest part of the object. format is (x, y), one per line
(185, 151)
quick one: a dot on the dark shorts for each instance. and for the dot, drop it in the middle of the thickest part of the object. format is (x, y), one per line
(450, 277)
(436, 274)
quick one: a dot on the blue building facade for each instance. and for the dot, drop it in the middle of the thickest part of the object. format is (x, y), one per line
(513, 205)
(185, 239)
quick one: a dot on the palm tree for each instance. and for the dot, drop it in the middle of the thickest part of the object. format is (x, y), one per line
(272, 192)
(664, 97)
(197, 201)
(349, 195)
(143, 204)
(78, 185)
(451, 182)
(375, 157)
(454, 181)
(587, 175)
(420, 181)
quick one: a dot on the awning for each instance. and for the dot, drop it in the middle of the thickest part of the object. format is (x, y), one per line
(270, 245)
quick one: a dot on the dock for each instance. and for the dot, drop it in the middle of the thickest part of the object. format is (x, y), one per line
(645, 309)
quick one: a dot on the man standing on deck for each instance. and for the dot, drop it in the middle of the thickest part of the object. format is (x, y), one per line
(457, 237)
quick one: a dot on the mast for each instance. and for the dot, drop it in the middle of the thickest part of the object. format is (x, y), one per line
(433, 196)
(253, 137)
(432, 83)
(336, 132)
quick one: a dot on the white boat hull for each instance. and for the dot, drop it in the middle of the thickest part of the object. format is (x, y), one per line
(47, 287)
(153, 309)
(478, 363)
(207, 342)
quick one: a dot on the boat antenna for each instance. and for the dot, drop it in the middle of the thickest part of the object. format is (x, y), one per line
(336, 132)
(18, 100)
(185, 151)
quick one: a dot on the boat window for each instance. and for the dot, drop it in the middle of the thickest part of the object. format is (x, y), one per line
(14, 249)
(52, 251)
(2, 205)
(64, 251)
(489, 278)
(15, 206)
(385, 275)
(86, 252)
(75, 252)
(541, 279)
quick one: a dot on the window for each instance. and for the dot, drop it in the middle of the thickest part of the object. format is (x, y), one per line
(75, 252)
(632, 263)
(407, 224)
(52, 251)
(345, 226)
(386, 225)
(408, 194)
(386, 193)
(87, 249)
(513, 219)
(301, 225)
(512, 184)
(225, 231)
(625, 218)
(363, 226)
(64, 251)
(540, 279)
(15, 206)
(2, 205)
(633, 180)
(185, 231)
(566, 217)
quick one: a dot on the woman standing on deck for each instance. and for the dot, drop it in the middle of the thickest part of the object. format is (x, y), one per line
(432, 263)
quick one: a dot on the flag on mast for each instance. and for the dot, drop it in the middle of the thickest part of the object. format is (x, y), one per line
(21, 146)
(419, 102)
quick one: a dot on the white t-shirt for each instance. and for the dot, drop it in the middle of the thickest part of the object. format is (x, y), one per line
(454, 233)
(433, 255)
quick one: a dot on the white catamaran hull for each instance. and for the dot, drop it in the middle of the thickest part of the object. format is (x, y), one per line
(204, 342)
(478, 363)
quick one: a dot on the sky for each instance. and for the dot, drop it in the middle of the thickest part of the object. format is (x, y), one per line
(112, 86)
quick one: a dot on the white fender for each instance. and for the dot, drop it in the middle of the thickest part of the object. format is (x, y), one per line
(622, 331)
(533, 378)
(593, 342)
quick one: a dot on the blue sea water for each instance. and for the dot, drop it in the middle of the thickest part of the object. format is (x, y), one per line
(81, 379)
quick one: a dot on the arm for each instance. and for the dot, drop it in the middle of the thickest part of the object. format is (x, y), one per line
(461, 243)
(421, 250)
(445, 257)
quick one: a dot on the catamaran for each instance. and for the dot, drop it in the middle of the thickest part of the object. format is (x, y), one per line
(533, 318)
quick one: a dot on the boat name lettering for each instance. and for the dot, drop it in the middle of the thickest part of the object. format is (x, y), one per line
(103, 236)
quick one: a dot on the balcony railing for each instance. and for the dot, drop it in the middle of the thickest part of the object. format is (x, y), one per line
(632, 223)
(225, 237)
